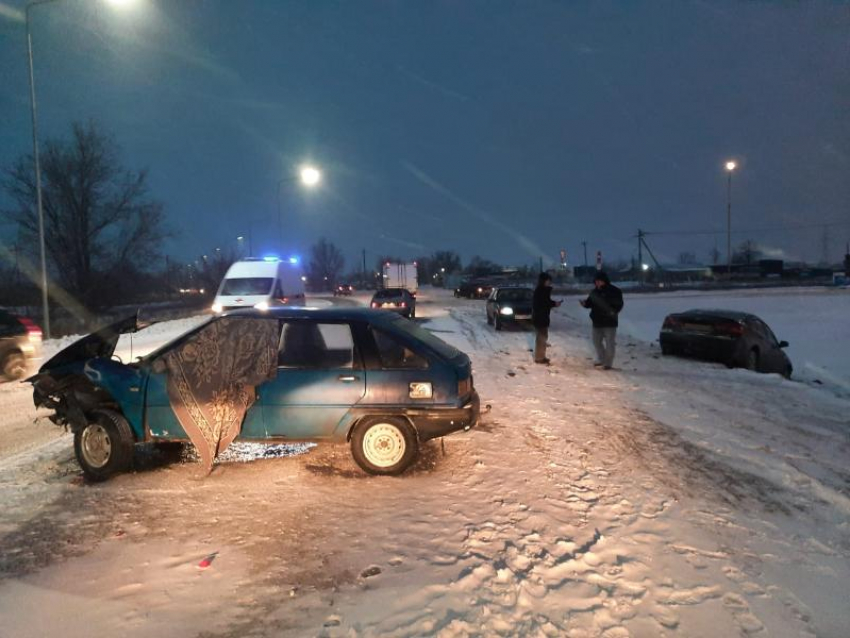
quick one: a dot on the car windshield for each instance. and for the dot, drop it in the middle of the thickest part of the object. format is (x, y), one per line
(246, 286)
(519, 294)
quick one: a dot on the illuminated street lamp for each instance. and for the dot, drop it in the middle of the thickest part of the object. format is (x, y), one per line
(37, 164)
(309, 176)
(731, 165)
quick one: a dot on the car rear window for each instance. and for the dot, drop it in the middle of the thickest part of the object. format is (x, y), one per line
(430, 339)
(247, 286)
(392, 293)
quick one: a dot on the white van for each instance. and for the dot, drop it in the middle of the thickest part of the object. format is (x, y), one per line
(260, 283)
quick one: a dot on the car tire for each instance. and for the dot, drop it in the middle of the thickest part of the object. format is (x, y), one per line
(667, 350)
(752, 361)
(384, 445)
(105, 446)
(787, 372)
(15, 366)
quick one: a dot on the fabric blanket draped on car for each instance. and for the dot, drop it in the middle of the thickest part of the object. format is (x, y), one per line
(212, 379)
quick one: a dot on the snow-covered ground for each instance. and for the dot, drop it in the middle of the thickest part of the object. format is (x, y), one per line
(669, 497)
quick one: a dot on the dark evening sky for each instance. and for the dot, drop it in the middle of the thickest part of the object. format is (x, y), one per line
(504, 129)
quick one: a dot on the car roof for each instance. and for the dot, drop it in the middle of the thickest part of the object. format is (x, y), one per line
(736, 315)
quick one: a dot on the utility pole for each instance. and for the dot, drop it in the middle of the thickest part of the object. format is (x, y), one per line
(730, 166)
(541, 264)
(584, 244)
(363, 281)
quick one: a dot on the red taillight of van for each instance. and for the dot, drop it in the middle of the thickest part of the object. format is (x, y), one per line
(376, 305)
(403, 305)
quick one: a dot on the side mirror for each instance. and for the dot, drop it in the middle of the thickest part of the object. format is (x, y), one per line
(783, 344)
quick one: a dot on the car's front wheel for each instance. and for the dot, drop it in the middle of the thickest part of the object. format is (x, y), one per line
(105, 446)
(15, 366)
(384, 445)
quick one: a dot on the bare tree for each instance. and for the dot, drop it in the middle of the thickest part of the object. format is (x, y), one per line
(99, 220)
(687, 258)
(326, 264)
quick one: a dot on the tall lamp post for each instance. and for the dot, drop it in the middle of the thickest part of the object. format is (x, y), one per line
(37, 165)
(309, 177)
(730, 168)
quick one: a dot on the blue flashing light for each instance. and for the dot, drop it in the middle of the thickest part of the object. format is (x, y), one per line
(271, 258)
(294, 260)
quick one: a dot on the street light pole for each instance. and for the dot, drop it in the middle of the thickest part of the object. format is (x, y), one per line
(730, 166)
(309, 176)
(38, 200)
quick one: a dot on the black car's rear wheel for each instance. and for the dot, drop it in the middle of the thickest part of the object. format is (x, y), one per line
(667, 349)
(752, 360)
(15, 366)
(105, 446)
(384, 445)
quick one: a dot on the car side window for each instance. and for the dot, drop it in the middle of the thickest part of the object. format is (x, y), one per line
(316, 346)
(396, 356)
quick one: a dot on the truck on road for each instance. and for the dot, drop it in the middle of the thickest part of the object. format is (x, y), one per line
(400, 275)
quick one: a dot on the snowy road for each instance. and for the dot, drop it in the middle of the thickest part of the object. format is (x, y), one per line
(668, 497)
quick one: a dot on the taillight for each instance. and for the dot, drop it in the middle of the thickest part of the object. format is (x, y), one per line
(464, 387)
(375, 304)
(403, 305)
(33, 331)
(671, 323)
(730, 329)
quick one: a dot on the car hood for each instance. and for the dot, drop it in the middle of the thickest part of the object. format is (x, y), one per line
(99, 344)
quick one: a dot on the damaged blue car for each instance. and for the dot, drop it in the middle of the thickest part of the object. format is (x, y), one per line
(370, 378)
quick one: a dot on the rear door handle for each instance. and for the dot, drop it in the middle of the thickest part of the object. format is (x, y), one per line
(347, 378)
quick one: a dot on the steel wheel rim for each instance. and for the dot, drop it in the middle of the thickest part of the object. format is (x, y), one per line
(384, 445)
(96, 445)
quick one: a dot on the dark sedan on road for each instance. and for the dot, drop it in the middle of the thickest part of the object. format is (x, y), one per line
(738, 339)
(398, 300)
(369, 378)
(343, 290)
(20, 341)
(474, 289)
(509, 305)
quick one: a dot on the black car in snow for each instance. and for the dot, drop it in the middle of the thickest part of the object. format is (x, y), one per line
(474, 289)
(509, 304)
(738, 339)
(398, 300)
(20, 340)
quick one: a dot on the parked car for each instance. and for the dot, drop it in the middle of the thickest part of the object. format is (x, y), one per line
(343, 290)
(20, 341)
(474, 289)
(397, 300)
(509, 304)
(738, 339)
(369, 378)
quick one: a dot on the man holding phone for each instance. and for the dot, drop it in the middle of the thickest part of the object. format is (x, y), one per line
(541, 307)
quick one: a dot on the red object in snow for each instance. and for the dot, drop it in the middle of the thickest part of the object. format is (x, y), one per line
(207, 561)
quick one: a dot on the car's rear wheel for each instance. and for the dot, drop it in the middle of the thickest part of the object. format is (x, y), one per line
(384, 445)
(752, 360)
(15, 366)
(667, 349)
(104, 447)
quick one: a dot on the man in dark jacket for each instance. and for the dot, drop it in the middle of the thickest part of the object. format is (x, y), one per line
(605, 303)
(540, 309)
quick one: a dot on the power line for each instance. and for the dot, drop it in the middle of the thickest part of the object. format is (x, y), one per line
(749, 230)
